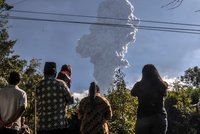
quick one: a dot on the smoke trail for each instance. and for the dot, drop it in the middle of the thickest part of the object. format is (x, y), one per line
(106, 46)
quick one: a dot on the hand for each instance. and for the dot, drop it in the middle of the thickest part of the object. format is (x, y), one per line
(1, 124)
(8, 124)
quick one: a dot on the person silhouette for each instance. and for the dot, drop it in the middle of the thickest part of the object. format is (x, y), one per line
(52, 97)
(13, 102)
(150, 91)
(94, 111)
(65, 74)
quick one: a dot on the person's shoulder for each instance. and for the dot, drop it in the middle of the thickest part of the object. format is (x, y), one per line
(165, 84)
(20, 90)
(42, 83)
(137, 85)
(84, 100)
(2, 90)
(103, 99)
(59, 81)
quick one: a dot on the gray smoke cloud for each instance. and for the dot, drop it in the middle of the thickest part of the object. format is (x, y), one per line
(106, 45)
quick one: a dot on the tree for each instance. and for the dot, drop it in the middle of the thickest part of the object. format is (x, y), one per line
(173, 4)
(31, 78)
(124, 107)
(182, 115)
(12, 62)
(9, 61)
(192, 77)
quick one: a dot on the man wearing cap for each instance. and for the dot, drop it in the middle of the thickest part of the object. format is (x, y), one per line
(13, 102)
(52, 98)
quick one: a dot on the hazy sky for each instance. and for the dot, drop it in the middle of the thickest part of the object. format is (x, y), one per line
(172, 53)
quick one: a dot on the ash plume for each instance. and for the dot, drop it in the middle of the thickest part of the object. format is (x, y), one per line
(107, 45)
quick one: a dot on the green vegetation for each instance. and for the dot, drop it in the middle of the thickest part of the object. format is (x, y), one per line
(182, 115)
(12, 62)
(124, 107)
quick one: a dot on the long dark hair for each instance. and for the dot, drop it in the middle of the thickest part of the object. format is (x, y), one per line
(151, 76)
(92, 93)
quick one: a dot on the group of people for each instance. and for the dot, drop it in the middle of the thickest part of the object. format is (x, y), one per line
(53, 95)
(52, 98)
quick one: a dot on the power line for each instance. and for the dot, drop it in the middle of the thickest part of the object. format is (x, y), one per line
(109, 18)
(68, 21)
(166, 29)
(179, 30)
(73, 15)
(19, 2)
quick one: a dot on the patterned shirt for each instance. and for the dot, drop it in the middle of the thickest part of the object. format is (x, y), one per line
(94, 118)
(52, 97)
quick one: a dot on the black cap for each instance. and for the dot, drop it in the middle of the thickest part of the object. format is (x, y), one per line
(50, 68)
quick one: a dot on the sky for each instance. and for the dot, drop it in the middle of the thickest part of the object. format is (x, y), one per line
(172, 53)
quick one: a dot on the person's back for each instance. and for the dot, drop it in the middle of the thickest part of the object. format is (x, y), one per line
(52, 101)
(13, 103)
(94, 115)
(10, 98)
(150, 90)
(150, 100)
(52, 96)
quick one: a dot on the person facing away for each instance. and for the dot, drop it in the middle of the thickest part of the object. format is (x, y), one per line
(65, 74)
(52, 97)
(13, 102)
(94, 111)
(150, 91)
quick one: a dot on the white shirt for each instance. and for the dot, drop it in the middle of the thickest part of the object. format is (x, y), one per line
(11, 99)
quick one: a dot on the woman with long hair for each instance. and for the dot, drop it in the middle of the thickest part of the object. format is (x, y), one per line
(94, 111)
(150, 91)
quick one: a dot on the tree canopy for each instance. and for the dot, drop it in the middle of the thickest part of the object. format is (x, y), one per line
(192, 77)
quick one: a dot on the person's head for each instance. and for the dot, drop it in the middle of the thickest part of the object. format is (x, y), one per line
(150, 74)
(50, 69)
(149, 71)
(67, 68)
(14, 78)
(65, 74)
(92, 92)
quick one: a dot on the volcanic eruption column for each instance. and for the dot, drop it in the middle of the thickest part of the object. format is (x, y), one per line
(106, 45)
